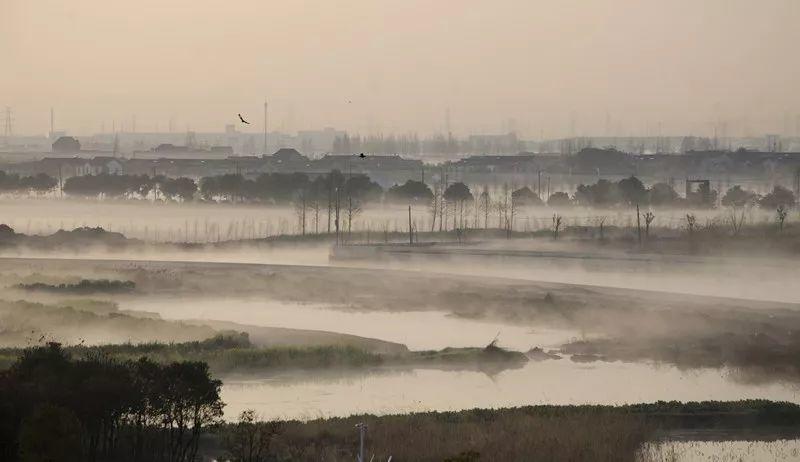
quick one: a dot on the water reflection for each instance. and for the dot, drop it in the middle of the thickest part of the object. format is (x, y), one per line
(304, 396)
(418, 330)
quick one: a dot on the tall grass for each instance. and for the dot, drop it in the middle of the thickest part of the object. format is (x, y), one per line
(478, 435)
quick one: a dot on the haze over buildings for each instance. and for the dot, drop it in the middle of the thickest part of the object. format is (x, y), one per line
(541, 69)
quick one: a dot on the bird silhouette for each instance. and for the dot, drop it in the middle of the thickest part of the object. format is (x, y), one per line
(242, 119)
(362, 155)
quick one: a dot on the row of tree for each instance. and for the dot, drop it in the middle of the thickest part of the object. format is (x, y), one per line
(284, 188)
(11, 182)
(126, 185)
(55, 407)
(291, 188)
(632, 192)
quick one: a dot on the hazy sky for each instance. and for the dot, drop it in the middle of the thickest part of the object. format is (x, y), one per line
(618, 65)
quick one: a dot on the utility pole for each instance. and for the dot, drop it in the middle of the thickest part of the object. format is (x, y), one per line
(362, 431)
(540, 184)
(336, 222)
(638, 225)
(265, 125)
(410, 231)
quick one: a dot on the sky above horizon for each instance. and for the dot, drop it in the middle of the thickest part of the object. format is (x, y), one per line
(542, 68)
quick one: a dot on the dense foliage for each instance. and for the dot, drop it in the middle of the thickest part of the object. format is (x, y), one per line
(37, 183)
(410, 191)
(101, 409)
(631, 192)
(315, 190)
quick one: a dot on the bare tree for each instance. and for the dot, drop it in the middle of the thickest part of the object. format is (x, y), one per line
(437, 193)
(475, 223)
(781, 216)
(601, 222)
(500, 207)
(486, 206)
(691, 223)
(330, 207)
(736, 219)
(556, 225)
(353, 211)
(455, 213)
(506, 207)
(648, 218)
(315, 208)
(638, 225)
(300, 207)
(337, 210)
(442, 211)
(513, 213)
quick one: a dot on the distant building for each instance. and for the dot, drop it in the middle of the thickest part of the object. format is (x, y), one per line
(522, 163)
(602, 161)
(66, 167)
(289, 155)
(66, 144)
(169, 148)
(98, 166)
(316, 141)
(173, 151)
(222, 150)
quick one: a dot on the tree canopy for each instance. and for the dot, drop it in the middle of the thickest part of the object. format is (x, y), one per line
(410, 191)
(525, 197)
(779, 196)
(75, 409)
(458, 192)
(738, 197)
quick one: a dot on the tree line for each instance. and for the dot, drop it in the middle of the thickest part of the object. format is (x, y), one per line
(11, 182)
(630, 192)
(56, 407)
(288, 188)
(107, 185)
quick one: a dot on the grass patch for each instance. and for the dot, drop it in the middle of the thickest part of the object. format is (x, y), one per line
(84, 286)
(551, 433)
(232, 352)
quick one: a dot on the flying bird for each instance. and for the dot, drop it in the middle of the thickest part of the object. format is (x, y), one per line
(242, 119)
(362, 155)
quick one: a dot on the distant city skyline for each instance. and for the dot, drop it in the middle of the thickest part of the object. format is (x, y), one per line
(606, 67)
(786, 124)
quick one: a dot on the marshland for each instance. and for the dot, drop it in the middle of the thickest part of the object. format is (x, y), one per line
(262, 231)
(296, 332)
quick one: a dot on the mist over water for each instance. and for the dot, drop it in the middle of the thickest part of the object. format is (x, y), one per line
(551, 382)
(418, 330)
(303, 231)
